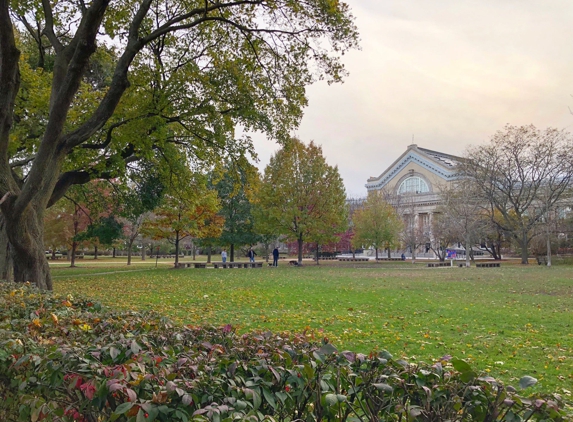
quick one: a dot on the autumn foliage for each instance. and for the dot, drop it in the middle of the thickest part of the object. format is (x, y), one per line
(67, 359)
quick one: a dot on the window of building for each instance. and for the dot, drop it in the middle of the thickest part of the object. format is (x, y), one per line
(413, 184)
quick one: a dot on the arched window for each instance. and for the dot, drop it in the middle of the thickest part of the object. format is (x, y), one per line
(413, 184)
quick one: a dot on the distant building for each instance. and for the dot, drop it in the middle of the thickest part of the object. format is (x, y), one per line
(413, 184)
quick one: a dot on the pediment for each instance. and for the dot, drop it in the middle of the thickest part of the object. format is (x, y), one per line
(440, 165)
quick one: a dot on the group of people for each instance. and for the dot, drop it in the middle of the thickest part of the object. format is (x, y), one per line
(251, 254)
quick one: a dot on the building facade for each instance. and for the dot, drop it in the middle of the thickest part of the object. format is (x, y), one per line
(413, 185)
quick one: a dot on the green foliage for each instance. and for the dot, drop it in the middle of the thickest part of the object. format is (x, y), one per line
(67, 359)
(376, 224)
(106, 230)
(235, 190)
(302, 197)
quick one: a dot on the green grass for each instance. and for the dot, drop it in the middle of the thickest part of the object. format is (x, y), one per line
(511, 321)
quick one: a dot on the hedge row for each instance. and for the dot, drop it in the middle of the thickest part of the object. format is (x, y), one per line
(67, 359)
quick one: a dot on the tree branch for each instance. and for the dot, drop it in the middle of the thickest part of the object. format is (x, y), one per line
(9, 85)
(49, 29)
(6, 195)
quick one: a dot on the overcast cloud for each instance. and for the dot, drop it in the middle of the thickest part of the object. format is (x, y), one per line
(449, 72)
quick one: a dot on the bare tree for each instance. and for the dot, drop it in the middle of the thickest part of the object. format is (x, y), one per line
(442, 234)
(521, 174)
(462, 213)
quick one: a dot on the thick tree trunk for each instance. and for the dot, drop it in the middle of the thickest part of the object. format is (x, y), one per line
(208, 254)
(299, 241)
(389, 253)
(113, 254)
(232, 252)
(376, 254)
(26, 235)
(5, 255)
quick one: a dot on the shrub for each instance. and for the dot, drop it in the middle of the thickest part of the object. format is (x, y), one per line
(67, 359)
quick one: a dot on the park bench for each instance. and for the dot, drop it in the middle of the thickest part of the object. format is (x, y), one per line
(200, 265)
(390, 259)
(439, 264)
(488, 265)
(353, 259)
(541, 259)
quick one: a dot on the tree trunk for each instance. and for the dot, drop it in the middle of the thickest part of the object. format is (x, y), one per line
(129, 245)
(389, 253)
(208, 254)
(468, 248)
(299, 242)
(548, 251)
(413, 255)
(95, 251)
(232, 253)
(353, 253)
(194, 249)
(26, 235)
(5, 255)
(524, 252)
(317, 254)
(176, 249)
(376, 254)
(113, 254)
(73, 254)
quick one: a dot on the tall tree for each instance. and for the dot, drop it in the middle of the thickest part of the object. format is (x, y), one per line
(301, 196)
(141, 195)
(462, 214)
(199, 68)
(235, 189)
(521, 174)
(376, 224)
(189, 211)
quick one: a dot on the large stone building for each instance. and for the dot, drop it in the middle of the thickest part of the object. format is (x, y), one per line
(413, 184)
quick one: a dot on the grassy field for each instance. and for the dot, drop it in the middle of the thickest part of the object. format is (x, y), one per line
(511, 321)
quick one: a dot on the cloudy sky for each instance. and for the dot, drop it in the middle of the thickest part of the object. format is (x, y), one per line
(448, 72)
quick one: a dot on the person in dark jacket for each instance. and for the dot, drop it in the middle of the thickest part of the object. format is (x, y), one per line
(251, 254)
(275, 257)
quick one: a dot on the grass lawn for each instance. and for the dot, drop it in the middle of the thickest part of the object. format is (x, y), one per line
(512, 321)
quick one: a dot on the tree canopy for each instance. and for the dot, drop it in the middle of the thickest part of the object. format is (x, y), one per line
(124, 81)
(302, 197)
(376, 224)
(521, 174)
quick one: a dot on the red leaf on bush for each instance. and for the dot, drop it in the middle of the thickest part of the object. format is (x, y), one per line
(88, 389)
(131, 394)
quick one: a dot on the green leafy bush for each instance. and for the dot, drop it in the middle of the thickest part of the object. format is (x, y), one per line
(67, 359)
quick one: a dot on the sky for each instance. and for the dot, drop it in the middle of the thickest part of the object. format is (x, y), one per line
(446, 74)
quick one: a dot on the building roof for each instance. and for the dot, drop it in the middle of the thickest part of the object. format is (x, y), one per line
(443, 165)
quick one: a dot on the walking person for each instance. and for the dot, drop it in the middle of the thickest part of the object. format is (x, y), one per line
(224, 256)
(275, 257)
(251, 254)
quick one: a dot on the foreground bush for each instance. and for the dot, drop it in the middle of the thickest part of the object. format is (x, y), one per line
(66, 359)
